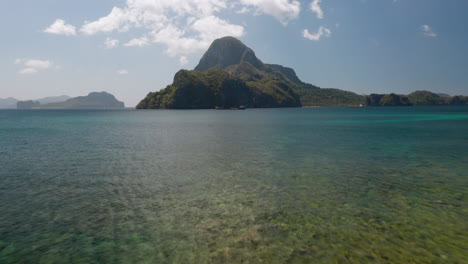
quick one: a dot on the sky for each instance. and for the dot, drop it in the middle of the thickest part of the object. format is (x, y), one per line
(132, 47)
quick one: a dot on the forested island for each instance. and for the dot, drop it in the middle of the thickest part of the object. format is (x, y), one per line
(230, 75)
(415, 98)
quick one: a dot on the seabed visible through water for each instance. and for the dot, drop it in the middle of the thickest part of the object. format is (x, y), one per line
(311, 185)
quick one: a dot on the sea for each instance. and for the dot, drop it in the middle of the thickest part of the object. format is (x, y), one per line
(298, 185)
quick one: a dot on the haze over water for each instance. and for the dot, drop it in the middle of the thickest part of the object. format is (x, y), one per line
(303, 185)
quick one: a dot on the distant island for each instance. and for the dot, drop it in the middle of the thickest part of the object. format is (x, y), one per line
(11, 103)
(95, 100)
(8, 103)
(415, 98)
(230, 75)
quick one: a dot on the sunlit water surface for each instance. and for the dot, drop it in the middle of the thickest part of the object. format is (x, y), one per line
(310, 185)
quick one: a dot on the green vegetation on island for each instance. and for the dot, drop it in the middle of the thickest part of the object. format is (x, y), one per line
(416, 98)
(458, 100)
(426, 98)
(329, 97)
(387, 100)
(196, 90)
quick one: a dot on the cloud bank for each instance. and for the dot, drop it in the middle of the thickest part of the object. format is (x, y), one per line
(183, 27)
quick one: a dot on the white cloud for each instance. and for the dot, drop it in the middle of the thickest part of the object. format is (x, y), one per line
(322, 32)
(33, 66)
(183, 61)
(116, 20)
(152, 14)
(28, 71)
(137, 42)
(315, 7)
(111, 43)
(175, 41)
(428, 32)
(283, 10)
(122, 72)
(206, 30)
(60, 28)
(183, 26)
(211, 27)
(38, 64)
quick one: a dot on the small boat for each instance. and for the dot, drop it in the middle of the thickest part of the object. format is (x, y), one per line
(242, 107)
(356, 106)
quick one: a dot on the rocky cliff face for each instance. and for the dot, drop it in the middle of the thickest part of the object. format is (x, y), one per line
(233, 56)
(225, 52)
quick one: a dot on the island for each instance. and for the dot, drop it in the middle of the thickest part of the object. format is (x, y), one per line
(230, 75)
(418, 98)
(94, 100)
(8, 103)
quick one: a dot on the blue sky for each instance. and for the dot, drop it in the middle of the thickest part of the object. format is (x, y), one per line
(132, 47)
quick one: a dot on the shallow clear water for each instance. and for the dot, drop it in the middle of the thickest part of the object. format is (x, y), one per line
(322, 185)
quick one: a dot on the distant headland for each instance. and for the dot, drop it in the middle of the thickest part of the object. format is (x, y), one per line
(230, 75)
(94, 100)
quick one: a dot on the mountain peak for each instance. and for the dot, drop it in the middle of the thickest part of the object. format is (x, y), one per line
(225, 52)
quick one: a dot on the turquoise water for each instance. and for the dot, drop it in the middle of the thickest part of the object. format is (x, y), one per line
(310, 185)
